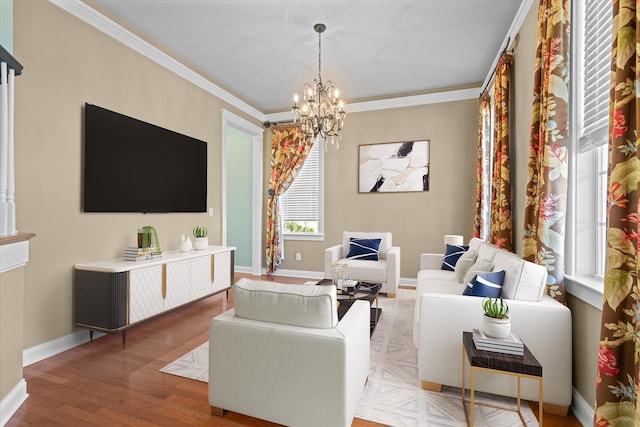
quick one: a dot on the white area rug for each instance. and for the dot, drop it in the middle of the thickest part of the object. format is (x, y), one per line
(393, 395)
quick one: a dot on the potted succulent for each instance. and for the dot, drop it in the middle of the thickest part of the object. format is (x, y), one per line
(496, 318)
(200, 239)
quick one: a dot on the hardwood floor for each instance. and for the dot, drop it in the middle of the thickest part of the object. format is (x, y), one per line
(100, 384)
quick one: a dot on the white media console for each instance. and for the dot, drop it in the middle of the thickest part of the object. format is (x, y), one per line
(114, 295)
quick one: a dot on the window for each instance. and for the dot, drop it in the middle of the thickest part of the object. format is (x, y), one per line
(487, 167)
(592, 71)
(301, 205)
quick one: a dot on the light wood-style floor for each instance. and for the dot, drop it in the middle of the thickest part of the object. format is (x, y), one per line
(100, 384)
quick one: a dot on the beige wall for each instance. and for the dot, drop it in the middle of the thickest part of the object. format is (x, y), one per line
(11, 321)
(67, 63)
(417, 220)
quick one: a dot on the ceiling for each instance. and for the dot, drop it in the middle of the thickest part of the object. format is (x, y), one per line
(263, 51)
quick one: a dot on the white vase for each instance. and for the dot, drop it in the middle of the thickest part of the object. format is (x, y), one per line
(496, 328)
(185, 244)
(200, 243)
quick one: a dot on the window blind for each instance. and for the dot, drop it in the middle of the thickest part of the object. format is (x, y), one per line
(301, 201)
(597, 74)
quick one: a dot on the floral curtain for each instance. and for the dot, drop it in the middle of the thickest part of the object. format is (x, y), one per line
(289, 149)
(617, 380)
(482, 177)
(545, 208)
(501, 229)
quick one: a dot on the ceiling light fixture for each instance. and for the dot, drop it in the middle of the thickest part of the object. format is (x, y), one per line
(322, 112)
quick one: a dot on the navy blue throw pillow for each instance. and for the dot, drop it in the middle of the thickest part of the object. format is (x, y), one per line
(451, 256)
(487, 284)
(365, 249)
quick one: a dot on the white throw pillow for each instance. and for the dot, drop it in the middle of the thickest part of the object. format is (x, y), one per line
(464, 264)
(480, 266)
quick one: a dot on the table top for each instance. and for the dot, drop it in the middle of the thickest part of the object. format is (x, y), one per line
(362, 290)
(526, 364)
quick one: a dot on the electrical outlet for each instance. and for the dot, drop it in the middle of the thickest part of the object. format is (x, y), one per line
(298, 256)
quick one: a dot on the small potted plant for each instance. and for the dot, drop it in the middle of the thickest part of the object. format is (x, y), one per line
(496, 318)
(200, 239)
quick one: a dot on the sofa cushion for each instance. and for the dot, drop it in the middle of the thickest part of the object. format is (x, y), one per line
(452, 255)
(367, 271)
(487, 251)
(465, 262)
(363, 249)
(298, 305)
(487, 284)
(385, 241)
(523, 280)
(480, 266)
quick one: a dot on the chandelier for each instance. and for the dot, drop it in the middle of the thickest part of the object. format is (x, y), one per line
(322, 111)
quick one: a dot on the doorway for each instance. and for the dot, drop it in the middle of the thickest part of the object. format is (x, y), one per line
(242, 191)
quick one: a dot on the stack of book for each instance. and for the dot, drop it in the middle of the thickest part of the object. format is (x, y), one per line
(510, 345)
(141, 254)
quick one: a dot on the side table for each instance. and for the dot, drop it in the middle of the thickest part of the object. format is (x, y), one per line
(526, 366)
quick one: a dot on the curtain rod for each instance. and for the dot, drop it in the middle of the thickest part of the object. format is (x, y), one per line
(505, 50)
(268, 124)
(10, 60)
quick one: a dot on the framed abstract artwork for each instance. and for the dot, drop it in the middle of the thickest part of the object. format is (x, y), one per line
(393, 167)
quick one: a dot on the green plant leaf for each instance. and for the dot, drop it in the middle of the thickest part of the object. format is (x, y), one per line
(617, 285)
(627, 173)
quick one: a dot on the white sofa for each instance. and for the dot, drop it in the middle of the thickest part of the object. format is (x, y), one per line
(385, 271)
(442, 313)
(282, 356)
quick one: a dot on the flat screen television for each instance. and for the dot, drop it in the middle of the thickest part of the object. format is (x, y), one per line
(133, 166)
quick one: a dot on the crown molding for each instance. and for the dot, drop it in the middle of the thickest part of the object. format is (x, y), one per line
(399, 102)
(97, 20)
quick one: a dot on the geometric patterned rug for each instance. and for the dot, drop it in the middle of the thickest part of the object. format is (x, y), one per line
(393, 395)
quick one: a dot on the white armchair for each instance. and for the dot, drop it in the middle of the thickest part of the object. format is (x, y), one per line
(281, 355)
(385, 271)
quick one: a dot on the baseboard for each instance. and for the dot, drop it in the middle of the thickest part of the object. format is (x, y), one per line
(51, 348)
(582, 410)
(11, 403)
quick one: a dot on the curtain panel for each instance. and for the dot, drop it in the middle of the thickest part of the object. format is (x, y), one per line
(480, 225)
(546, 194)
(617, 379)
(289, 149)
(501, 229)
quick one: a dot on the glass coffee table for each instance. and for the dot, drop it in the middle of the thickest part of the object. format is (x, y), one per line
(361, 291)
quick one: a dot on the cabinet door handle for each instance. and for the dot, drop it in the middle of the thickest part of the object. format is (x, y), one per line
(164, 281)
(213, 268)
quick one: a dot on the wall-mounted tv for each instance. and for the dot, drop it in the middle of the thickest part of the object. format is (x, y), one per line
(133, 166)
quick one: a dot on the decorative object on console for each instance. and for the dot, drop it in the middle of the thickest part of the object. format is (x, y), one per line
(393, 167)
(452, 255)
(141, 254)
(185, 244)
(200, 241)
(496, 322)
(322, 113)
(148, 245)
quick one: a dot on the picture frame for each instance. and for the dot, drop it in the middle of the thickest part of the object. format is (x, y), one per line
(394, 167)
